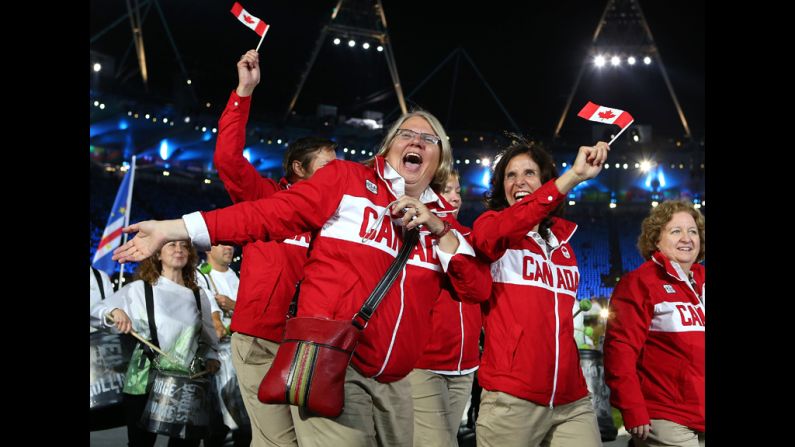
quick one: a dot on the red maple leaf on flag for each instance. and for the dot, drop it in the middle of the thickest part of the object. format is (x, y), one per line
(607, 114)
(248, 19)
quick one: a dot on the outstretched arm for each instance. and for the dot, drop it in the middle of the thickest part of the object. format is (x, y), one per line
(304, 207)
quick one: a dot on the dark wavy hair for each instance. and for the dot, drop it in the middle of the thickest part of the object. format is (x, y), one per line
(495, 198)
(652, 226)
(149, 269)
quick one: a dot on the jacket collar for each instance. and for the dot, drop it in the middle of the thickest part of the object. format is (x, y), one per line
(397, 186)
(674, 270)
(562, 230)
(284, 183)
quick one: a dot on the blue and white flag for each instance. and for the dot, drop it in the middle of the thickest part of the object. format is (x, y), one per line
(119, 218)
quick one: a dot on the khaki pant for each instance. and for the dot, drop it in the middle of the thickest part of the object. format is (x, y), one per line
(375, 414)
(670, 434)
(439, 402)
(506, 421)
(271, 425)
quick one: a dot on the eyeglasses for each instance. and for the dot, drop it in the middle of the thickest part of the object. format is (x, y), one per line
(408, 134)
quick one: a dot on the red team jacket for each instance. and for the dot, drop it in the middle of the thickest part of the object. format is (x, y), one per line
(339, 204)
(269, 270)
(654, 345)
(530, 352)
(453, 348)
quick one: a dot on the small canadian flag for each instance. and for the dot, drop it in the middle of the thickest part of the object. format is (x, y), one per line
(249, 20)
(607, 115)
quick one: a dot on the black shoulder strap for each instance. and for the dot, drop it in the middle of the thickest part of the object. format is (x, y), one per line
(150, 312)
(372, 302)
(99, 281)
(202, 344)
(198, 302)
(206, 281)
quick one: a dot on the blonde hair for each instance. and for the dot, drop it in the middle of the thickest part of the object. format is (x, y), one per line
(446, 161)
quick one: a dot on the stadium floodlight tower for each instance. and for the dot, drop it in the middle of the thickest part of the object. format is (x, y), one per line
(365, 18)
(622, 33)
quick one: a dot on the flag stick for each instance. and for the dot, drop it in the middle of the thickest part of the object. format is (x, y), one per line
(127, 215)
(109, 318)
(622, 131)
(263, 36)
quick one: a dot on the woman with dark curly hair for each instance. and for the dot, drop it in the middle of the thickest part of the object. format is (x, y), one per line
(534, 392)
(179, 324)
(654, 344)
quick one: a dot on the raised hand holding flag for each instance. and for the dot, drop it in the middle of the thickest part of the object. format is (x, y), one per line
(250, 21)
(607, 115)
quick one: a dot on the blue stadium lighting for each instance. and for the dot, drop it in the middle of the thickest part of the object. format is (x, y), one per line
(164, 149)
(101, 128)
(264, 164)
(123, 125)
(247, 154)
(661, 178)
(207, 136)
(486, 179)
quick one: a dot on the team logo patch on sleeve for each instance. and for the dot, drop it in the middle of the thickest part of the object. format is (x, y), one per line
(371, 186)
(669, 288)
(565, 252)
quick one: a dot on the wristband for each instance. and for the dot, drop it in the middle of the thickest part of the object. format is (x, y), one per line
(446, 229)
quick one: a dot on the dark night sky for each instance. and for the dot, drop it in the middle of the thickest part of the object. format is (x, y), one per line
(529, 52)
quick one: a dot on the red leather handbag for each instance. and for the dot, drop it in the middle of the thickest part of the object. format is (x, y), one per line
(309, 368)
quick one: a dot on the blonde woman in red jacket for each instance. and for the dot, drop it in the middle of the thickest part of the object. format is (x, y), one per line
(654, 344)
(441, 382)
(534, 392)
(356, 213)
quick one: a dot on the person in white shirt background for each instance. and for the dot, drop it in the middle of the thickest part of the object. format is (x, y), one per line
(222, 282)
(179, 324)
